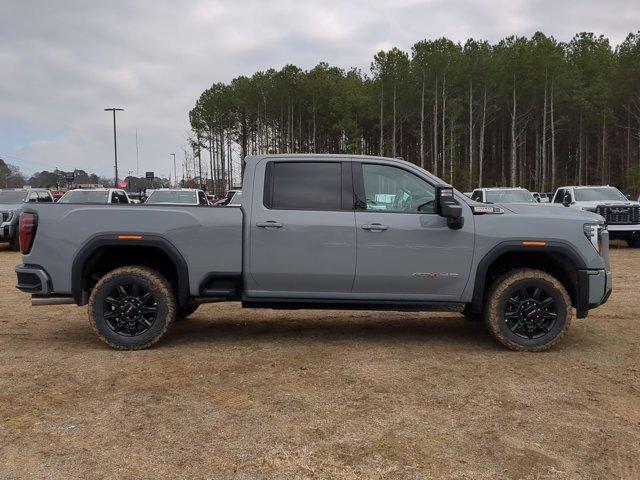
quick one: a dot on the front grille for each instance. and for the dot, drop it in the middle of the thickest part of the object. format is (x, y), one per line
(619, 214)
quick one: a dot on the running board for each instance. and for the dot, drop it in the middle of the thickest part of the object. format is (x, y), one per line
(40, 300)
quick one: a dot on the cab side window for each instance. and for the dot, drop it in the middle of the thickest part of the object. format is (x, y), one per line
(477, 195)
(559, 196)
(202, 199)
(44, 197)
(303, 186)
(392, 189)
(118, 197)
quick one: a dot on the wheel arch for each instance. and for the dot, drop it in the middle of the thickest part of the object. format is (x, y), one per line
(555, 257)
(148, 250)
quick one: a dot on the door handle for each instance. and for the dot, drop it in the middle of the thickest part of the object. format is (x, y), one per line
(269, 224)
(374, 227)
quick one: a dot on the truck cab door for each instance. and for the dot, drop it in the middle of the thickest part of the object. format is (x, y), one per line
(405, 250)
(301, 229)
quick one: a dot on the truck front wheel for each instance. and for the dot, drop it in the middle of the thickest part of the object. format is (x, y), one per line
(132, 308)
(528, 310)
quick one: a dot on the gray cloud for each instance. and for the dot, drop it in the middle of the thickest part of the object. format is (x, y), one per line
(62, 62)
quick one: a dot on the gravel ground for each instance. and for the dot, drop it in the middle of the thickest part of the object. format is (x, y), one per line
(235, 393)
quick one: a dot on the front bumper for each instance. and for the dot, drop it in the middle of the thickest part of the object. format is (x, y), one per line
(33, 279)
(594, 289)
(631, 227)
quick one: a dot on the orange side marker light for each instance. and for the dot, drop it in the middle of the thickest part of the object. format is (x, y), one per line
(531, 243)
(129, 237)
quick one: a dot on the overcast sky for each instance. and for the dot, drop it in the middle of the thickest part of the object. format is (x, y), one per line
(63, 62)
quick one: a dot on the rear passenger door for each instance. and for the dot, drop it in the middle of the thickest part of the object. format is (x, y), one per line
(302, 229)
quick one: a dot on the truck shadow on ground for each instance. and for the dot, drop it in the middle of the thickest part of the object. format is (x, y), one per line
(335, 328)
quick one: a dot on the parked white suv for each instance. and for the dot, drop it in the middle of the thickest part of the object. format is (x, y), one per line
(621, 214)
(95, 196)
(503, 195)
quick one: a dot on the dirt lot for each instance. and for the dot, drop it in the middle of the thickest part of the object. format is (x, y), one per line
(265, 394)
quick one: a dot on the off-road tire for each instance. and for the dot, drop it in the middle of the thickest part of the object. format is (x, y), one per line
(634, 242)
(154, 283)
(499, 294)
(184, 312)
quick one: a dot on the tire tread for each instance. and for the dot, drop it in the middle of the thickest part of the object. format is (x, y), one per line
(160, 283)
(492, 315)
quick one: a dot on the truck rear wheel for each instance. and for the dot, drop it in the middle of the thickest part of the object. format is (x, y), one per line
(131, 308)
(528, 310)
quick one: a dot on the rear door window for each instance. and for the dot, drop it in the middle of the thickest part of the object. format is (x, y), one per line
(303, 186)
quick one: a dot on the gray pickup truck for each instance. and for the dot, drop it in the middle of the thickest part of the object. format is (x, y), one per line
(321, 231)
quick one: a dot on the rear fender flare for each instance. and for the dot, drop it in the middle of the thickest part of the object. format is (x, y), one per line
(87, 250)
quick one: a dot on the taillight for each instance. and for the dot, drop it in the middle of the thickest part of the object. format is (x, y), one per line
(27, 231)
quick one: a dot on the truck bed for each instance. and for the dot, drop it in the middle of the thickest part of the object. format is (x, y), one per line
(208, 238)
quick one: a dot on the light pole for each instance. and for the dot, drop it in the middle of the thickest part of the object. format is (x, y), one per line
(115, 144)
(175, 172)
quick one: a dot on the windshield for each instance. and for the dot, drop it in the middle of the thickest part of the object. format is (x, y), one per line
(509, 196)
(84, 196)
(598, 193)
(12, 196)
(179, 197)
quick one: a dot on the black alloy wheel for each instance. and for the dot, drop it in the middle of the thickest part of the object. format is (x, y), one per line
(530, 312)
(130, 309)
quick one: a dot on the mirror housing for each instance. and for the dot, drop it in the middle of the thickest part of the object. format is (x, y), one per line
(446, 206)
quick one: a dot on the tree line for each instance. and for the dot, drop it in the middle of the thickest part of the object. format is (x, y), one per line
(11, 176)
(533, 112)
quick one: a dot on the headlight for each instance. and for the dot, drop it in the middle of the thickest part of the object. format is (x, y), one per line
(592, 232)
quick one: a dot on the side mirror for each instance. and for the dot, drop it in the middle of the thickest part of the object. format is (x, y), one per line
(446, 206)
(566, 200)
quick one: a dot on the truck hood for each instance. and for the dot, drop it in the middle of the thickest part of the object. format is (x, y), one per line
(551, 210)
(616, 203)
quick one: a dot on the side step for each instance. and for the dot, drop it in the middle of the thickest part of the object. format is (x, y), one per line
(39, 300)
(220, 286)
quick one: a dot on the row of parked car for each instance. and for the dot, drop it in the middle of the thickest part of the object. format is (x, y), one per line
(11, 201)
(620, 212)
